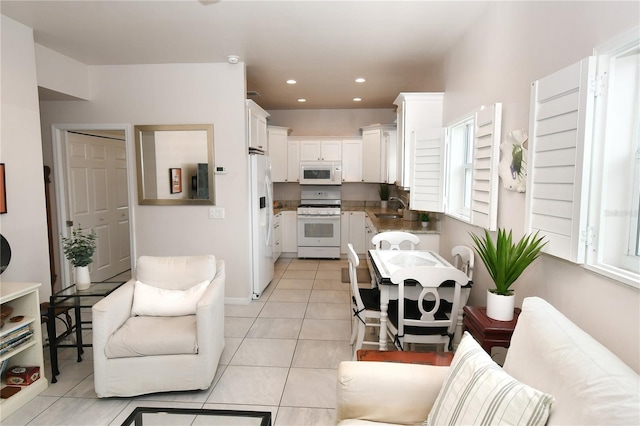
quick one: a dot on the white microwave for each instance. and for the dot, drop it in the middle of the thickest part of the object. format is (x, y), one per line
(320, 173)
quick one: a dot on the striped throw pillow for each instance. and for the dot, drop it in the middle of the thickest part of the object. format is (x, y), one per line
(478, 392)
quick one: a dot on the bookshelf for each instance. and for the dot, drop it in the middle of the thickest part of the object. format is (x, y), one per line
(24, 299)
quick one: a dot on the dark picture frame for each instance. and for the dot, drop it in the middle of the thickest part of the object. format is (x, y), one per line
(175, 182)
(3, 190)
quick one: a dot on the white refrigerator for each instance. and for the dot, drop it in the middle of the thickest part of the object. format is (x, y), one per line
(262, 259)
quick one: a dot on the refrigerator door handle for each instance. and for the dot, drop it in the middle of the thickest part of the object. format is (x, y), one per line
(269, 209)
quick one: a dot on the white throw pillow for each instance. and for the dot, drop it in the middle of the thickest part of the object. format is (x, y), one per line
(159, 302)
(477, 391)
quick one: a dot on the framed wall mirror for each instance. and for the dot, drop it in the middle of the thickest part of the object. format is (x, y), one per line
(175, 164)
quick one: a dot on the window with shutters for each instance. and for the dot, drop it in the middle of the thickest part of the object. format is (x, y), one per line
(473, 144)
(584, 160)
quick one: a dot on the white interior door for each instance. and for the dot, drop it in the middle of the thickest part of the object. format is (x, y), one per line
(98, 199)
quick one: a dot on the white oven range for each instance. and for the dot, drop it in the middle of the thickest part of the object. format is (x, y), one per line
(319, 223)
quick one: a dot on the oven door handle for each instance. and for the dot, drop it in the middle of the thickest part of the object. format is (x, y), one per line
(325, 216)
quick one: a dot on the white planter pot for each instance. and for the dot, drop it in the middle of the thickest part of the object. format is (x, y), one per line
(83, 278)
(425, 224)
(500, 307)
(383, 204)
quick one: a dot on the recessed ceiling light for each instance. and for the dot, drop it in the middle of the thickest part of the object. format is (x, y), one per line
(357, 99)
(360, 80)
(302, 100)
(291, 81)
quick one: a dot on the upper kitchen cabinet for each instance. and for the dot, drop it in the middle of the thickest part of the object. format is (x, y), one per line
(352, 160)
(379, 153)
(325, 150)
(278, 151)
(417, 113)
(257, 126)
(293, 161)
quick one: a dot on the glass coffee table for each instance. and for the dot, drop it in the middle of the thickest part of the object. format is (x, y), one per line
(151, 416)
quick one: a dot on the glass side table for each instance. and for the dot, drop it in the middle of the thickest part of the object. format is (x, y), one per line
(196, 416)
(70, 297)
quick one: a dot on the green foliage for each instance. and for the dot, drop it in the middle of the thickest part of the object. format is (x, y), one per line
(505, 260)
(384, 191)
(79, 248)
(424, 217)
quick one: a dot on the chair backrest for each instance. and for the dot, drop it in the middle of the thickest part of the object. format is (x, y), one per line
(394, 239)
(463, 259)
(354, 261)
(430, 278)
(175, 272)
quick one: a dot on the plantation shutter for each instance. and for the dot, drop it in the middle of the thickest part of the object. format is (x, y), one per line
(486, 153)
(427, 190)
(559, 150)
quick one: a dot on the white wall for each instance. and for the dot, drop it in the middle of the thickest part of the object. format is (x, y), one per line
(512, 45)
(62, 74)
(329, 122)
(177, 94)
(25, 223)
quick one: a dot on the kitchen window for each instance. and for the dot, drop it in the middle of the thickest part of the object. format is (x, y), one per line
(460, 168)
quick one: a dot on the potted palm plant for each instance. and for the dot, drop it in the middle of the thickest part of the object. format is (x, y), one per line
(505, 261)
(425, 219)
(384, 192)
(79, 249)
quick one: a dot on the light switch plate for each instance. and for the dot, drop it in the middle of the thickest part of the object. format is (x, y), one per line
(216, 212)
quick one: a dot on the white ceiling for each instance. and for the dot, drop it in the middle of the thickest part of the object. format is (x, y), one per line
(324, 45)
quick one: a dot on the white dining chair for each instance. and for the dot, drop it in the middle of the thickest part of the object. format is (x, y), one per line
(391, 240)
(463, 259)
(366, 306)
(430, 319)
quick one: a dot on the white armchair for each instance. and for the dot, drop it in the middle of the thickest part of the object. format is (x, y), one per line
(139, 354)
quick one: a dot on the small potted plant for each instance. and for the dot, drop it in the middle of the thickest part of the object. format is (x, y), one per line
(505, 261)
(384, 192)
(79, 249)
(424, 218)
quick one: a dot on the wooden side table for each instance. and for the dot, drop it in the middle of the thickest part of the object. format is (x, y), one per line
(488, 332)
(407, 357)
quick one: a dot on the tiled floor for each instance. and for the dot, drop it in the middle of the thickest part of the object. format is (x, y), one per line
(281, 355)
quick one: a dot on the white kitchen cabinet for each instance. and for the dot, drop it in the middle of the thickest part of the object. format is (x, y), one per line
(352, 160)
(379, 156)
(293, 161)
(257, 126)
(277, 236)
(417, 113)
(289, 226)
(352, 230)
(278, 150)
(321, 150)
(24, 299)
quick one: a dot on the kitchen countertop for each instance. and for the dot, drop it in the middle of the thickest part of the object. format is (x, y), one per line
(413, 226)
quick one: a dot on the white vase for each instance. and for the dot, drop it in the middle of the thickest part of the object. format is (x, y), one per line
(383, 204)
(500, 307)
(83, 278)
(425, 224)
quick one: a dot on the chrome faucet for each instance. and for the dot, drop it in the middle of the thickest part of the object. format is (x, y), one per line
(404, 204)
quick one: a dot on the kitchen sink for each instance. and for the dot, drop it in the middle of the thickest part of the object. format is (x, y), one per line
(388, 215)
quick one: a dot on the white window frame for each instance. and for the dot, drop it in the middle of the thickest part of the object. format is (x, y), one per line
(576, 165)
(478, 204)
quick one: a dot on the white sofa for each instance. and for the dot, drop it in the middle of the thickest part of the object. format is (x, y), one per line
(591, 386)
(135, 355)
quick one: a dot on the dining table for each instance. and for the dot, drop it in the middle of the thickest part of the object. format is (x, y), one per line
(385, 262)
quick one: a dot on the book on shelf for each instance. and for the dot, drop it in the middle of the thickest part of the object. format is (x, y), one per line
(18, 332)
(6, 347)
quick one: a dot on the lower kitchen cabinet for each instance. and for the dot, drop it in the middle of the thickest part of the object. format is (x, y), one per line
(289, 226)
(352, 230)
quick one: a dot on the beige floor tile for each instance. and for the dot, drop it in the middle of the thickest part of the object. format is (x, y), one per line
(265, 352)
(330, 285)
(321, 353)
(299, 274)
(237, 327)
(313, 329)
(328, 265)
(290, 296)
(284, 310)
(333, 274)
(250, 310)
(303, 265)
(275, 328)
(330, 296)
(309, 387)
(294, 284)
(340, 311)
(297, 416)
(81, 412)
(249, 385)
